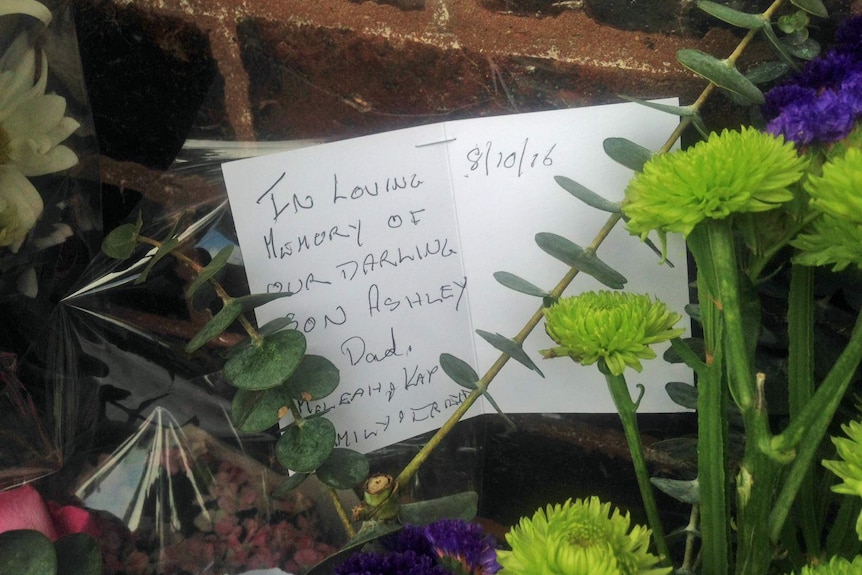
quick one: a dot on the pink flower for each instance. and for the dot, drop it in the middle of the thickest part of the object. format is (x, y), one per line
(24, 508)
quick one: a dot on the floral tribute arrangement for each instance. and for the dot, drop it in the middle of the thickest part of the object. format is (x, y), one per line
(776, 491)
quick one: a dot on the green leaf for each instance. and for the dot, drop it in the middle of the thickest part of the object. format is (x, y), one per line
(731, 16)
(457, 506)
(814, 7)
(685, 491)
(27, 552)
(220, 322)
(517, 284)
(682, 394)
(509, 423)
(314, 378)
(627, 153)
(795, 22)
(304, 447)
(586, 195)
(209, 272)
(779, 47)
(343, 469)
(274, 325)
(577, 257)
(693, 311)
(169, 244)
(510, 348)
(78, 554)
(695, 344)
(768, 72)
(121, 242)
(459, 371)
(808, 50)
(289, 484)
(268, 364)
(682, 111)
(369, 531)
(256, 411)
(721, 73)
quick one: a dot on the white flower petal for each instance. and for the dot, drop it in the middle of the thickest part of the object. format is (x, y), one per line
(21, 88)
(29, 7)
(20, 207)
(31, 163)
(35, 116)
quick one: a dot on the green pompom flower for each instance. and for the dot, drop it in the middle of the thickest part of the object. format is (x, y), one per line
(734, 172)
(836, 566)
(830, 241)
(618, 327)
(836, 192)
(849, 467)
(580, 537)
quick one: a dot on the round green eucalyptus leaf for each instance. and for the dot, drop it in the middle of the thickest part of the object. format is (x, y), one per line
(27, 552)
(289, 484)
(256, 411)
(304, 447)
(78, 554)
(343, 469)
(121, 242)
(268, 364)
(314, 378)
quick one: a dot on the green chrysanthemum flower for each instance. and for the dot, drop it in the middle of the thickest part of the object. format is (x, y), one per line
(734, 172)
(836, 566)
(836, 192)
(849, 467)
(579, 538)
(618, 327)
(830, 241)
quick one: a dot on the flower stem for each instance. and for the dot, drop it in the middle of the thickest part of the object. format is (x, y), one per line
(627, 410)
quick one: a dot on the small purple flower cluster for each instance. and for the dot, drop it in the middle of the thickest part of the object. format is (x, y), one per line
(441, 548)
(821, 104)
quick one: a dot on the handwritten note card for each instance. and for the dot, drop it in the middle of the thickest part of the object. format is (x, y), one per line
(388, 244)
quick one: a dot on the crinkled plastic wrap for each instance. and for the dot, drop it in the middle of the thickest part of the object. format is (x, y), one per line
(101, 403)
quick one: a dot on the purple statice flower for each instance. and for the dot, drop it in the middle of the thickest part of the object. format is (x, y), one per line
(851, 88)
(828, 70)
(463, 546)
(828, 118)
(784, 96)
(395, 563)
(409, 537)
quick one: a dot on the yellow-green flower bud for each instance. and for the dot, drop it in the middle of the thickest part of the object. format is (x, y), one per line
(617, 327)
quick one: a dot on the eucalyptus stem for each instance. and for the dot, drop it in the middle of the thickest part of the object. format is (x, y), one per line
(627, 410)
(342, 514)
(413, 466)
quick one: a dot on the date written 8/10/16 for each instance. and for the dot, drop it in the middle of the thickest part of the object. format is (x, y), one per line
(525, 157)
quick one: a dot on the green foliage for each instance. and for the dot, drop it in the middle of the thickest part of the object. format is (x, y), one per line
(343, 469)
(588, 196)
(459, 371)
(458, 506)
(627, 153)
(731, 16)
(209, 272)
(577, 257)
(78, 554)
(511, 348)
(255, 411)
(306, 444)
(27, 552)
(314, 378)
(518, 284)
(121, 242)
(721, 73)
(268, 363)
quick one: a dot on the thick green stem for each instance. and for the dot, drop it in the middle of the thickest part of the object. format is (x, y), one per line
(627, 410)
(712, 403)
(800, 379)
(807, 430)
